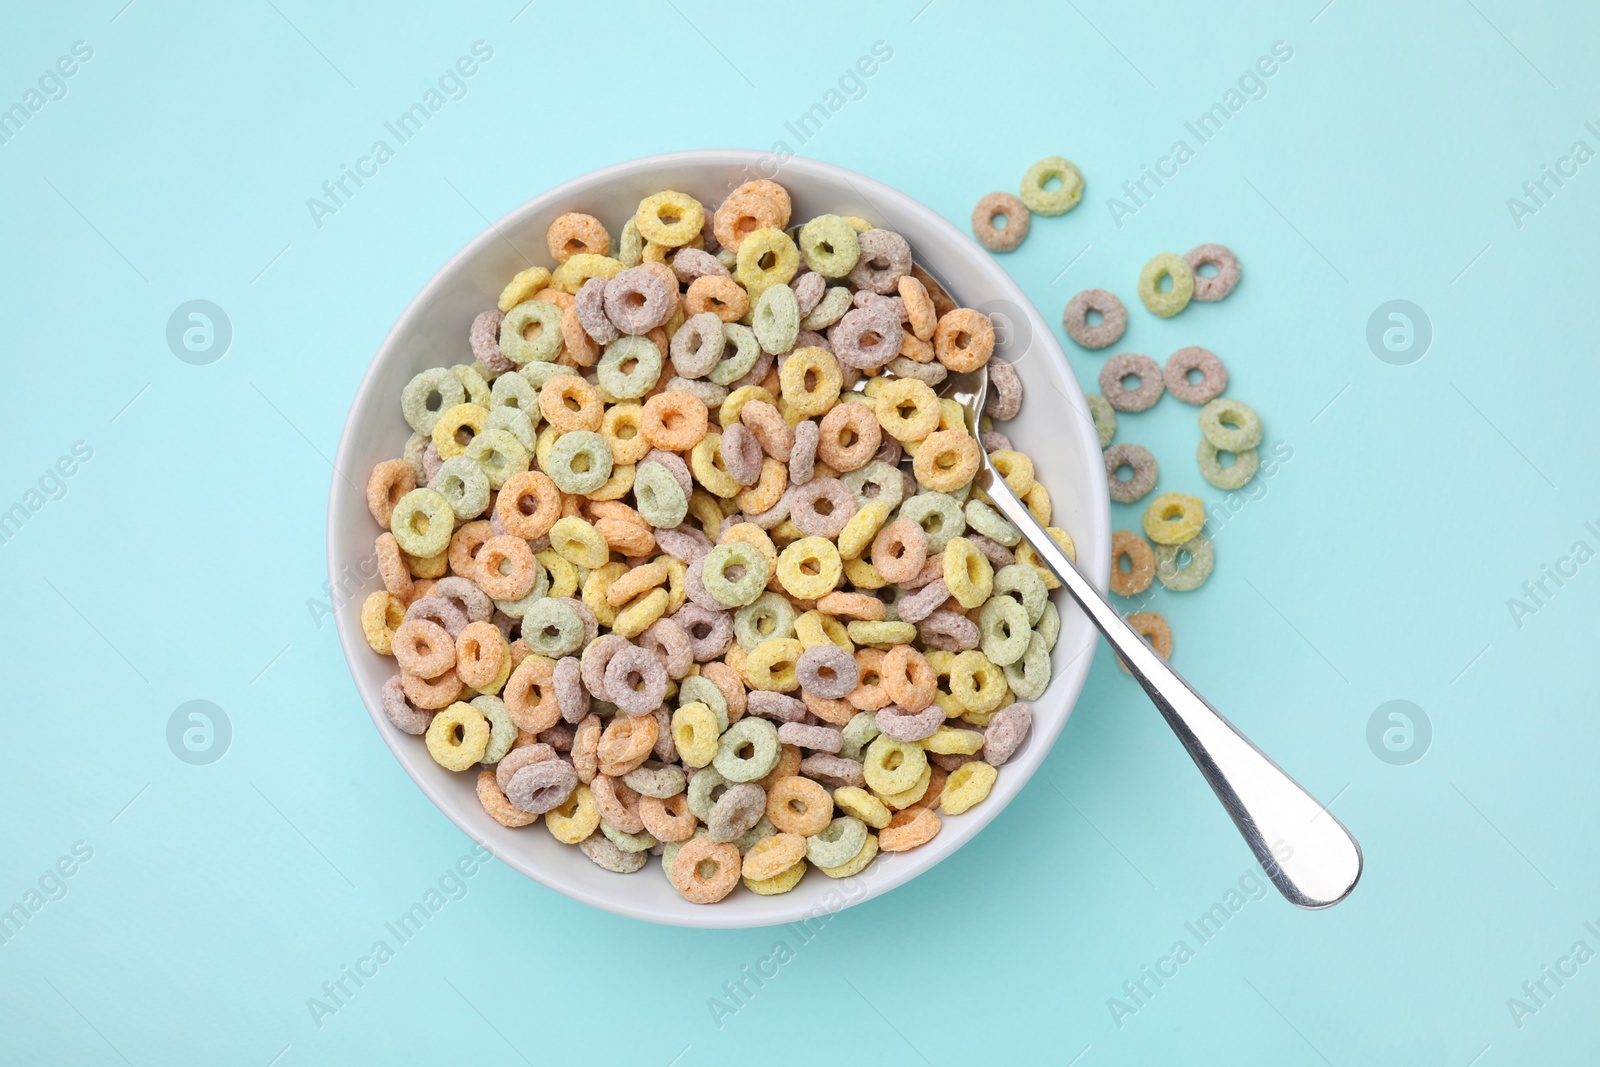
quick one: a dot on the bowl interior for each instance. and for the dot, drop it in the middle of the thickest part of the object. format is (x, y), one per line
(1054, 428)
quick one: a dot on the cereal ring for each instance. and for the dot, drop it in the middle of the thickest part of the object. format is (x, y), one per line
(580, 462)
(898, 724)
(635, 681)
(500, 455)
(900, 550)
(1230, 425)
(735, 365)
(637, 300)
(771, 665)
(736, 811)
(798, 805)
(405, 716)
(1003, 624)
(1104, 416)
(1155, 630)
(1185, 361)
(774, 855)
(830, 246)
(606, 854)
(431, 694)
(967, 786)
(1141, 564)
(893, 766)
(747, 751)
(829, 310)
(530, 695)
(668, 818)
(571, 697)
(629, 367)
(810, 379)
(1004, 238)
(484, 340)
(716, 295)
(440, 610)
(920, 312)
(907, 409)
(802, 460)
(697, 346)
(1108, 331)
(776, 319)
(573, 233)
(422, 522)
(848, 437)
(1166, 303)
(673, 421)
(964, 339)
(747, 210)
(1029, 676)
(1005, 391)
(777, 707)
(417, 398)
(1208, 290)
(589, 304)
(660, 495)
(627, 742)
(810, 567)
(946, 460)
(669, 218)
(1235, 476)
(552, 628)
(885, 259)
(1040, 198)
(1006, 731)
(390, 480)
(765, 258)
(531, 333)
(506, 569)
(734, 574)
(480, 651)
(457, 737)
(866, 338)
(569, 403)
(1131, 365)
(822, 507)
(940, 516)
(692, 263)
(741, 454)
(704, 870)
(768, 616)
(1141, 481)
(1173, 518)
(1190, 576)
(710, 632)
(423, 647)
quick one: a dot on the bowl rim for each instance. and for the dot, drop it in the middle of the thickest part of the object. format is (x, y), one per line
(888, 201)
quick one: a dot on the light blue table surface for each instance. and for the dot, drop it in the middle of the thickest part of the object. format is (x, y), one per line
(1427, 537)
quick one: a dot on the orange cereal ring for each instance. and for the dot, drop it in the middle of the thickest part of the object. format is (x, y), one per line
(579, 349)
(629, 538)
(908, 679)
(586, 748)
(916, 349)
(674, 421)
(798, 805)
(1151, 626)
(392, 567)
(464, 545)
(909, 828)
(946, 460)
(431, 694)
(849, 437)
(575, 233)
(569, 403)
(618, 804)
(705, 870)
(747, 211)
(853, 606)
(558, 297)
(636, 581)
(964, 339)
(764, 495)
(788, 765)
(834, 712)
(480, 653)
(506, 568)
(1141, 561)
(530, 695)
(389, 481)
(869, 694)
(900, 550)
(919, 308)
(669, 819)
(627, 743)
(423, 647)
(498, 808)
(771, 856)
(729, 684)
(721, 296)
(770, 429)
(528, 505)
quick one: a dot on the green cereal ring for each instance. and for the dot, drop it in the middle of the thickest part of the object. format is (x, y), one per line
(837, 843)
(552, 628)
(698, 690)
(416, 445)
(465, 484)
(757, 735)
(939, 515)
(1190, 576)
(580, 461)
(704, 790)
(629, 367)
(657, 780)
(766, 617)
(630, 245)
(877, 481)
(1234, 477)
(747, 841)
(1169, 303)
(1030, 675)
(1003, 626)
(473, 382)
(1105, 417)
(1023, 580)
(515, 391)
(422, 523)
(775, 319)
(1048, 628)
(531, 332)
(421, 415)
(536, 374)
(752, 573)
(830, 309)
(500, 455)
(746, 350)
(512, 420)
(987, 521)
(1230, 425)
(502, 731)
(642, 841)
(858, 733)
(1057, 201)
(518, 608)
(659, 495)
(830, 246)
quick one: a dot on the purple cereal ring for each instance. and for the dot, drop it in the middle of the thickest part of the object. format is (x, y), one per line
(1006, 731)
(666, 749)
(779, 707)
(889, 451)
(697, 346)
(816, 738)
(683, 543)
(997, 554)
(694, 585)
(484, 337)
(638, 300)
(504, 623)
(710, 631)
(917, 606)
(692, 264)
(405, 715)
(596, 659)
(756, 374)
(803, 460)
(465, 594)
(431, 462)
(822, 507)
(885, 259)
(1113, 318)
(1141, 481)
(591, 625)
(827, 768)
(828, 671)
(813, 339)
(741, 454)
(670, 643)
(540, 787)
(590, 307)
(559, 737)
(895, 304)
(1208, 290)
(949, 761)
(571, 697)
(994, 441)
(636, 680)
(1005, 391)
(736, 810)
(675, 466)
(1213, 375)
(898, 724)
(808, 289)
(440, 610)
(948, 631)
(1131, 365)
(866, 338)
(518, 758)
(776, 513)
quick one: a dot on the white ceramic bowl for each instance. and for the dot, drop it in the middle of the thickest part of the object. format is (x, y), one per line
(1054, 429)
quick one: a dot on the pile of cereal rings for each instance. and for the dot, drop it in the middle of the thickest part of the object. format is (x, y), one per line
(656, 570)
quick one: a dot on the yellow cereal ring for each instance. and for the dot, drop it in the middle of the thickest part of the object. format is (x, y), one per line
(638, 616)
(381, 616)
(453, 421)
(948, 741)
(619, 485)
(810, 568)
(677, 589)
(881, 634)
(810, 380)
(778, 883)
(595, 588)
(814, 629)
(977, 684)
(892, 766)
(1029, 558)
(857, 535)
(771, 665)
(1038, 501)
(688, 215)
(705, 460)
(774, 855)
(764, 495)
(578, 542)
(695, 732)
(940, 661)
(868, 853)
(773, 246)
(951, 415)
(857, 223)
(945, 460)
(575, 819)
(458, 737)
(907, 409)
(704, 510)
(570, 276)
(863, 575)
(523, 286)
(543, 444)
(620, 427)
(428, 566)
(907, 797)
(853, 800)
(1171, 518)
(967, 785)
(968, 573)
(563, 575)
(1015, 468)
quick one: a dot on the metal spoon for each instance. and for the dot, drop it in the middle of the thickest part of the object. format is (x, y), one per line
(1305, 851)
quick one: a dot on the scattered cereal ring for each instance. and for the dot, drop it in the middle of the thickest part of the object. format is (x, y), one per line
(1183, 362)
(1141, 564)
(1173, 518)
(1169, 302)
(629, 367)
(799, 806)
(1208, 290)
(1141, 481)
(1192, 575)
(1103, 334)
(1230, 425)
(1155, 630)
(669, 218)
(765, 258)
(1043, 200)
(1131, 365)
(1010, 235)
(1003, 623)
(1235, 476)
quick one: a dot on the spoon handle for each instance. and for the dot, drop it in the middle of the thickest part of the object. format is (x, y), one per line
(1305, 851)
